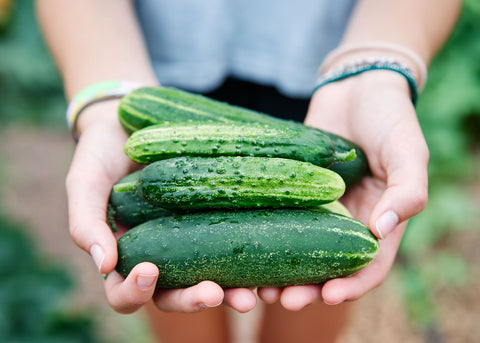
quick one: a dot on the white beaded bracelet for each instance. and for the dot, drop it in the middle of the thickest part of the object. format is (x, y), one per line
(416, 63)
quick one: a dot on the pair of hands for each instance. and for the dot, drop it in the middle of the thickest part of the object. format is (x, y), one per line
(373, 110)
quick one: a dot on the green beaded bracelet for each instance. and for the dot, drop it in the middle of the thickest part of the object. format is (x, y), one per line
(368, 65)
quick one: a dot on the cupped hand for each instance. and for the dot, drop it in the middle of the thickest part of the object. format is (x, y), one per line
(99, 162)
(375, 111)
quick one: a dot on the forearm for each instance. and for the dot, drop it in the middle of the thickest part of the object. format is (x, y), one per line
(94, 41)
(421, 27)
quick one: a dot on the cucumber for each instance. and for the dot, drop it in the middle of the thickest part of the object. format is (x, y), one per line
(155, 105)
(128, 208)
(351, 171)
(254, 248)
(334, 207)
(200, 183)
(211, 139)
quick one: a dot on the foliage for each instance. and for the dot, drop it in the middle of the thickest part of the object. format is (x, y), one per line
(30, 86)
(449, 112)
(31, 294)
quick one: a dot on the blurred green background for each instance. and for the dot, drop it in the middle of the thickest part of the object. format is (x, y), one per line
(437, 263)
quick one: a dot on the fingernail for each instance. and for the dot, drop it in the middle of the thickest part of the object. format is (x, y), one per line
(209, 306)
(386, 223)
(145, 281)
(97, 254)
(332, 304)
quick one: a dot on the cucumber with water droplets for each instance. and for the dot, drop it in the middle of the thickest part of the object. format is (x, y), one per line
(128, 207)
(211, 139)
(253, 248)
(203, 183)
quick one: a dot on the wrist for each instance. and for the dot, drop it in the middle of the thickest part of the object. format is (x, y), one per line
(387, 66)
(363, 51)
(100, 113)
(93, 94)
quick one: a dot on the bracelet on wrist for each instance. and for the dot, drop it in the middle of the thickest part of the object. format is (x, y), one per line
(369, 64)
(407, 55)
(96, 92)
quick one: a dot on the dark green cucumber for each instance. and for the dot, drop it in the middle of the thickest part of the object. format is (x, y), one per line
(211, 139)
(254, 248)
(128, 207)
(351, 171)
(199, 183)
(154, 105)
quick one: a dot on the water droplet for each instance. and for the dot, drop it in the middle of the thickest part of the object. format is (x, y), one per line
(293, 175)
(221, 170)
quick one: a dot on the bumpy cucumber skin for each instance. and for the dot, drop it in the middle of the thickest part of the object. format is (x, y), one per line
(255, 248)
(200, 183)
(211, 139)
(128, 208)
(154, 105)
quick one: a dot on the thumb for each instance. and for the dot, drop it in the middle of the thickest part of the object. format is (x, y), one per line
(406, 194)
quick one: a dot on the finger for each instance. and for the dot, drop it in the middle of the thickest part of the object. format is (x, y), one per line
(269, 295)
(88, 186)
(406, 193)
(294, 298)
(339, 290)
(128, 295)
(241, 299)
(192, 299)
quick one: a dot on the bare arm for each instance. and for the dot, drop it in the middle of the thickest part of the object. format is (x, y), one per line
(94, 41)
(374, 110)
(420, 25)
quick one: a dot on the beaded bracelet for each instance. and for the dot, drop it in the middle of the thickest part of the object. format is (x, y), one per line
(96, 92)
(373, 63)
(414, 59)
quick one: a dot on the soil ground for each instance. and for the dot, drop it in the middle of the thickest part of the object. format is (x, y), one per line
(34, 164)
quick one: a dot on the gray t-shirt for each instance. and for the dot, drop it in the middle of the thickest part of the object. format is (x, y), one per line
(196, 44)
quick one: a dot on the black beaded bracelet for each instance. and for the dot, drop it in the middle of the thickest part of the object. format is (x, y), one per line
(367, 65)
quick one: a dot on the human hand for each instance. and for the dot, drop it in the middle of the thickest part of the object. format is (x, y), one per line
(373, 110)
(99, 162)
